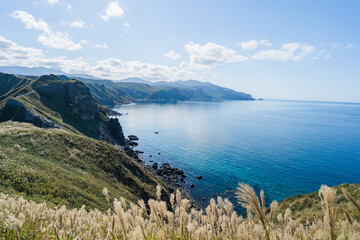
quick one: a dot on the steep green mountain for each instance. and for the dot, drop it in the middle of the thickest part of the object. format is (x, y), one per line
(61, 167)
(50, 102)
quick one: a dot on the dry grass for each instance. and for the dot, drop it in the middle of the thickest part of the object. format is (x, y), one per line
(22, 219)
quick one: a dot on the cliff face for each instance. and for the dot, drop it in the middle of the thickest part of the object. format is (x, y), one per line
(74, 93)
(79, 97)
(49, 102)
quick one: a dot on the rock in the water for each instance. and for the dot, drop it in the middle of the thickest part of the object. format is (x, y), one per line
(192, 185)
(133, 137)
(155, 166)
(199, 177)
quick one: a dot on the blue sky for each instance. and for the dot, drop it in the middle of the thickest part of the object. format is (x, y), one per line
(307, 50)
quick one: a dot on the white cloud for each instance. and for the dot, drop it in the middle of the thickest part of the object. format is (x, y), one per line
(172, 55)
(103, 46)
(210, 55)
(252, 44)
(77, 23)
(334, 45)
(350, 45)
(113, 9)
(112, 68)
(52, 2)
(48, 38)
(58, 40)
(12, 53)
(289, 51)
(30, 22)
(127, 24)
(69, 6)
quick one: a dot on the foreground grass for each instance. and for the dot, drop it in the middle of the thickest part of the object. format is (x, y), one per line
(22, 219)
(63, 168)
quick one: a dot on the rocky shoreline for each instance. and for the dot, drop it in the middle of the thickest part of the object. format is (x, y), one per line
(171, 176)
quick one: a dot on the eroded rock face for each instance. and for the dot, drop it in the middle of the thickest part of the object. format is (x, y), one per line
(114, 130)
(75, 94)
(79, 97)
(16, 111)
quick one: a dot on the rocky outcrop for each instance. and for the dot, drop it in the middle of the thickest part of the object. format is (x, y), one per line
(114, 133)
(133, 138)
(16, 111)
(73, 92)
(79, 97)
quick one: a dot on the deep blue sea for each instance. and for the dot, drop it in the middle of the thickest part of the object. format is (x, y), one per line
(282, 147)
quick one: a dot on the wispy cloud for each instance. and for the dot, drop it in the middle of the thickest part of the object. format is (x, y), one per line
(253, 44)
(112, 68)
(127, 24)
(49, 38)
(210, 55)
(30, 22)
(289, 51)
(112, 10)
(59, 40)
(77, 23)
(349, 45)
(172, 55)
(52, 2)
(103, 46)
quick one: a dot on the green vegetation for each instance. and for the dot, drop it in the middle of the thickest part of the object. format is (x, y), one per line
(11, 85)
(68, 104)
(112, 93)
(307, 207)
(60, 167)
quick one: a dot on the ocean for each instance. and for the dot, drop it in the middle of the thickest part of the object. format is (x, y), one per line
(282, 147)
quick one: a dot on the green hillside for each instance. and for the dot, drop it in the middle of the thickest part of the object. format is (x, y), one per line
(60, 167)
(134, 89)
(307, 207)
(48, 101)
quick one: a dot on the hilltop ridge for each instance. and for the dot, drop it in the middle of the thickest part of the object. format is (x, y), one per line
(48, 101)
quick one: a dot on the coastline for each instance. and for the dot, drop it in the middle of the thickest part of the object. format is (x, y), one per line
(172, 177)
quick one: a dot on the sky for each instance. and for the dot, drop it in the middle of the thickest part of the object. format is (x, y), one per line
(301, 50)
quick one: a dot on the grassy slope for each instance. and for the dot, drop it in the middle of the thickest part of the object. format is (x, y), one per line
(11, 85)
(65, 168)
(307, 207)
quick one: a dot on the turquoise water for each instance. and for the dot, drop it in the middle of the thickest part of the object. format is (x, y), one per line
(282, 147)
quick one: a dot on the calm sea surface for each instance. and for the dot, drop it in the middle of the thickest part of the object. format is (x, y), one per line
(282, 147)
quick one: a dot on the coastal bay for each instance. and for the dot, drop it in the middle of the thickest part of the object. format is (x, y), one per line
(283, 147)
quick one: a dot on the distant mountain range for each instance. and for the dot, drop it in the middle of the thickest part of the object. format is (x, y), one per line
(127, 90)
(38, 71)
